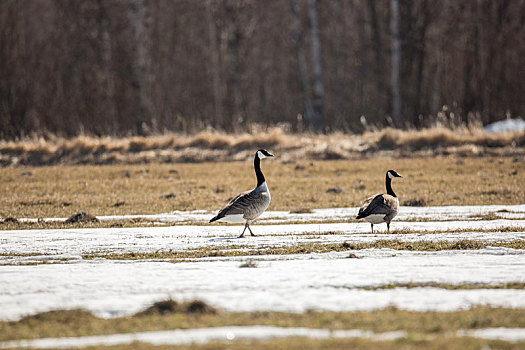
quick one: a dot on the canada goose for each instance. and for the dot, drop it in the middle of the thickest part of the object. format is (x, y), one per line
(381, 207)
(248, 206)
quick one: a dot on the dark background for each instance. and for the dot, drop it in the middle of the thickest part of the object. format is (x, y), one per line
(121, 67)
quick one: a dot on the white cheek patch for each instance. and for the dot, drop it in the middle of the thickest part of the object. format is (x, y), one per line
(260, 155)
(390, 175)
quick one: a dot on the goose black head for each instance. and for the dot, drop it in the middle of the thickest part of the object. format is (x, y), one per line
(392, 173)
(262, 153)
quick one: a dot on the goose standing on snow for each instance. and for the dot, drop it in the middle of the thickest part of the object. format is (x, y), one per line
(248, 206)
(381, 207)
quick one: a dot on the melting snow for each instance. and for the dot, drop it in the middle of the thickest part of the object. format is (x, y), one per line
(318, 281)
(442, 213)
(285, 283)
(499, 333)
(232, 333)
(199, 335)
(74, 242)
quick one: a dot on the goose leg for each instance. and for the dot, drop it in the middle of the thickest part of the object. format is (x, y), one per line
(250, 230)
(372, 227)
(388, 226)
(242, 234)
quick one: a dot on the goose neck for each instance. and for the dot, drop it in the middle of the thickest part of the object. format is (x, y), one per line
(258, 172)
(388, 183)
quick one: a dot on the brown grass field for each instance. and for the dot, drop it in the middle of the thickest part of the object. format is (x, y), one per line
(425, 329)
(217, 146)
(417, 342)
(302, 248)
(61, 190)
(159, 174)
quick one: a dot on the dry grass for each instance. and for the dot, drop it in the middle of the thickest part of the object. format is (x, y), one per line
(62, 225)
(170, 306)
(302, 248)
(415, 341)
(133, 150)
(509, 285)
(213, 146)
(59, 191)
(444, 137)
(248, 264)
(80, 322)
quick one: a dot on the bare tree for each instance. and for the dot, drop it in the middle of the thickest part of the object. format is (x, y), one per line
(130, 66)
(301, 62)
(376, 43)
(141, 64)
(318, 105)
(107, 63)
(396, 62)
(215, 65)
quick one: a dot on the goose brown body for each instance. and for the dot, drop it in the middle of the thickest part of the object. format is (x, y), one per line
(249, 205)
(381, 207)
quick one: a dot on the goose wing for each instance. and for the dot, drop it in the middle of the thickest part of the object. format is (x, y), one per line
(374, 205)
(237, 205)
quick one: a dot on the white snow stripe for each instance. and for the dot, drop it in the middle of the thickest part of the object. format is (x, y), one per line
(513, 335)
(204, 335)
(405, 213)
(75, 242)
(303, 282)
(199, 335)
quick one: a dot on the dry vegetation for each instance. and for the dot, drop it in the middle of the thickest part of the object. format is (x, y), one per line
(302, 248)
(213, 146)
(59, 191)
(416, 341)
(80, 322)
(410, 285)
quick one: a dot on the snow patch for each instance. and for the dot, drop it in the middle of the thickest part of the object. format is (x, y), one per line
(74, 242)
(312, 281)
(499, 333)
(200, 336)
(506, 125)
(333, 214)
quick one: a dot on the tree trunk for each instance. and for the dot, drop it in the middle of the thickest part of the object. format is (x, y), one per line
(301, 61)
(435, 104)
(319, 122)
(233, 92)
(340, 121)
(420, 48)
(396, 63)
(107, 61)
(215, 66)
(378, 53)
(141, 62)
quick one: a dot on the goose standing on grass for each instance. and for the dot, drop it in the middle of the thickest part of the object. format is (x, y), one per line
(381, 207)
(248, 206)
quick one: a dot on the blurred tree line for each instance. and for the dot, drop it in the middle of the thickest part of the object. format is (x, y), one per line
(115, 67)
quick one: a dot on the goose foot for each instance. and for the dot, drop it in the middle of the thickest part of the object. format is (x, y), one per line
(250, 230)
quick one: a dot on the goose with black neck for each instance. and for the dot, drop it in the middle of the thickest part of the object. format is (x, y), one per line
(381, 207)
(248, 206)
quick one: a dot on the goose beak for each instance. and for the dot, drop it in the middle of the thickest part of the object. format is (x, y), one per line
(270, 155)
(399, 175)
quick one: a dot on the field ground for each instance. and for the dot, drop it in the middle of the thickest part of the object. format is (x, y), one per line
(451, 274)
(460, 271)
(399, 329)
(59, 191)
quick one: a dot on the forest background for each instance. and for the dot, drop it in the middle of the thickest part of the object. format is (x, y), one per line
(139, 67)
